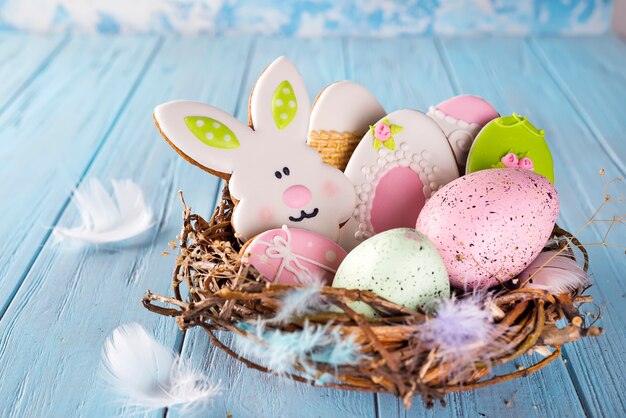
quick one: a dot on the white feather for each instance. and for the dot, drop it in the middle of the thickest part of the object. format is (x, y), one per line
(150, 375)
(554, 272)
(107, 218)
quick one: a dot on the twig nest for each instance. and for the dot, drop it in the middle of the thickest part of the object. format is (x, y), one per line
(401, 265)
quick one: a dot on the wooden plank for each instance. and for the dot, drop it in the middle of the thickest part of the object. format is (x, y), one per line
(508, 73)
(412, 74)
(23, 57)
(403, 73)
(590, 71)
(73, 297)
(247, 392)
(50, 133)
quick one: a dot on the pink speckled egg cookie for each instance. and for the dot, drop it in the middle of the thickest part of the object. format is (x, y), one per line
(489, 225)
(293, 256)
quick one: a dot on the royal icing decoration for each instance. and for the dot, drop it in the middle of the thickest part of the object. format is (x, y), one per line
(343, 112)
(392, 186)
(511, 142)
(294, 256)
(511, 160)
(284, 105)
(461, 118)
(274, 177)
(383, 133)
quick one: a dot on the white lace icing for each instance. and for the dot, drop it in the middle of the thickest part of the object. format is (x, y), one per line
(387, 159)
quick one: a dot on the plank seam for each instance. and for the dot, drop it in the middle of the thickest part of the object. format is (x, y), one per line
(577, 385)
(179, 343)
(65, 204)
(40, 68)
(347, 57)
(456, 87)
(571, 98)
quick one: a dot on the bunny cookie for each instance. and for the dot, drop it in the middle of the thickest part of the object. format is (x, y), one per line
(275, 178)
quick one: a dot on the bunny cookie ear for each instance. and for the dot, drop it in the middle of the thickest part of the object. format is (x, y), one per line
(204, 135)
(279, 103)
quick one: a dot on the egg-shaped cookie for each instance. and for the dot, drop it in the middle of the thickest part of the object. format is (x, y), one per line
(511, 142)
(461, 118)
(293, 256)
(341, 115)
(399, 163)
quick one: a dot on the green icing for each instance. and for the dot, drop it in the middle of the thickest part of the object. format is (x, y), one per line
(390, 143)
(284, 105)
(510, 134)
(212, 132)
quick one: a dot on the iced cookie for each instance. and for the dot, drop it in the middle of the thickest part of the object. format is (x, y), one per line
(461, 118)
(341, 115)
(294, 256)
(512, 142)
(275, 178)
(398, 164)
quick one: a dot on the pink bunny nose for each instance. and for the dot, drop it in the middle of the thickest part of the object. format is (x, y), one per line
(297, 196)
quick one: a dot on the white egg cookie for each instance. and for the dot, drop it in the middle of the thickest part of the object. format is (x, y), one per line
(275, 178)
(400, 162)
(341, 115)
(401, 265)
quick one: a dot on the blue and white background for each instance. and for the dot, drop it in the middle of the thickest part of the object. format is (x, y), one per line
(308, 18)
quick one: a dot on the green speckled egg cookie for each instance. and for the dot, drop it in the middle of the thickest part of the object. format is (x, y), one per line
(512, 142)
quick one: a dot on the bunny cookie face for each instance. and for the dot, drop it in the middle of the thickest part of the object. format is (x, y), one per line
(274, 177)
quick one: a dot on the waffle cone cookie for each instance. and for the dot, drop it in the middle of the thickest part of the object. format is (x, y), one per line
(335, 147)
(341, 116)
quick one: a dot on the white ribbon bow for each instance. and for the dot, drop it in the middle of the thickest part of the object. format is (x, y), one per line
(280, 248)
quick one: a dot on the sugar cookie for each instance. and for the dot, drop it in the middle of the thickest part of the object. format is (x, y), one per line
(512, 142)
(461, 118)
(294, 256)
(341, 115)
(275, 178)
(400, 162)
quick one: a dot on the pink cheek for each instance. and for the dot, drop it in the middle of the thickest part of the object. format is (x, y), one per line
(330, 188)
(266, 215)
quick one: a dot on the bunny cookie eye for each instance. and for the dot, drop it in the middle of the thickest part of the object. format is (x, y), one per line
(279, 175)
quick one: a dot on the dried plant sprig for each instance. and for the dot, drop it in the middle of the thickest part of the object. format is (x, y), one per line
(571, 242)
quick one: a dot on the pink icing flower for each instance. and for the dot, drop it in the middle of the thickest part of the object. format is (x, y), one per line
(382, 132)
(510, 160)
(526, 163)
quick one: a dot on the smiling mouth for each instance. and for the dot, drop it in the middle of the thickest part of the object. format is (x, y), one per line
(304, 215)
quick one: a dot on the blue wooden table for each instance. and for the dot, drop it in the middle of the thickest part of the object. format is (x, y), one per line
(73, 108)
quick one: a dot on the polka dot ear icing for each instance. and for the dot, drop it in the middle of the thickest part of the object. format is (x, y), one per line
(212, 132)
(512, 142)
(284, 105)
